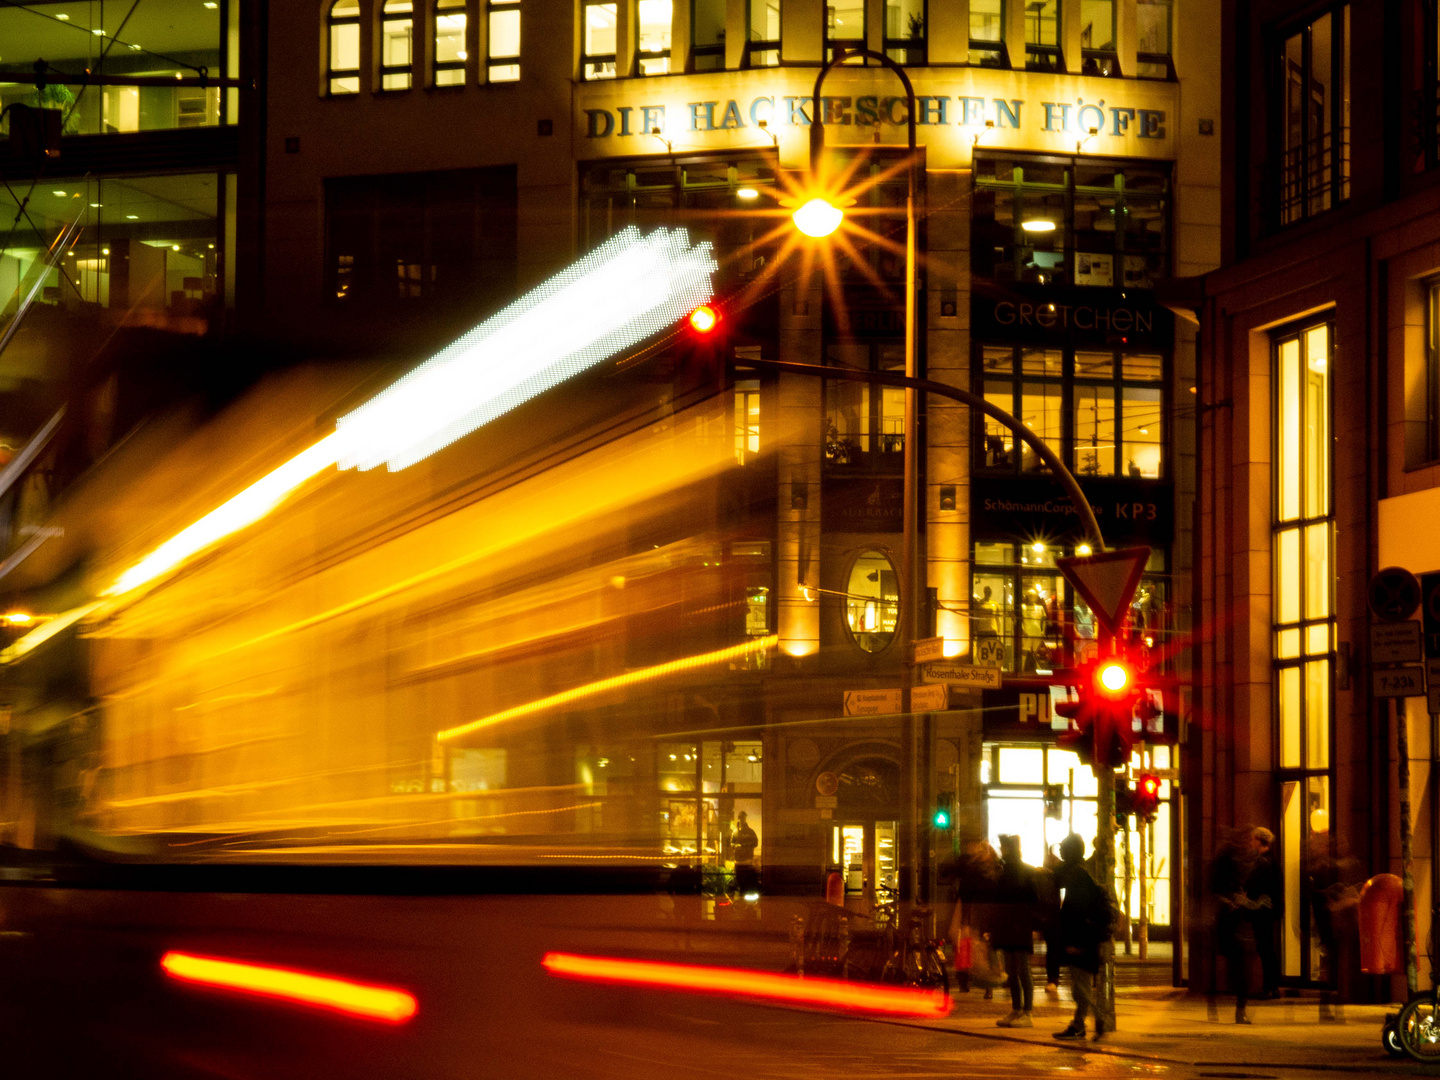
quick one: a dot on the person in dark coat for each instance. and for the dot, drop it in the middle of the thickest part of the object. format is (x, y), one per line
(1013, 932)
(1084, 925)
(1234, 926)
(1047, 887)
(1263, 889)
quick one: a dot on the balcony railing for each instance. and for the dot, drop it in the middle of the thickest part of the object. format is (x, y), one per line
(1308, 179)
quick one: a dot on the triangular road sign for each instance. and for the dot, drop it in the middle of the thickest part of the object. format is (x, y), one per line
(1106, 582)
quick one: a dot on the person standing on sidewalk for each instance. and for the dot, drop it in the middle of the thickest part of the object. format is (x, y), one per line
(1013, 932)
(1234, 925)
(1084, 923)
(1263, 889)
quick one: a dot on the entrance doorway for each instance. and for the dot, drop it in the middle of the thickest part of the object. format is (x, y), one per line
(865, 853)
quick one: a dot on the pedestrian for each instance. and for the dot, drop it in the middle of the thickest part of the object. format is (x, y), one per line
(1013, 932)
(1263, 888)
(743, 843)
(1234, 927)
(1085, 922)
(977, 879)
(1047, 888)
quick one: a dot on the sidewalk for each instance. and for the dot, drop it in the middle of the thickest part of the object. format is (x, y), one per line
(1171, 1026)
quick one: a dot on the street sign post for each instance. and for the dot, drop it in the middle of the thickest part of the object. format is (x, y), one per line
(988, 678)
(1395, 643)
(930, 697)
(1400, 682)
(928, 649)
(872, 702)
(1106, 582)
(1394, 594)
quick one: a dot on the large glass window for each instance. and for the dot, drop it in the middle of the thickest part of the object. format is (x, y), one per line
(987, 32)
(652, 30)
(763, 48)
(1312, 142)
(1097, 37)
(864, 424)
(1431, 411)
(844, 25)
(601, 21)
(707, 35)
(905, 31)
(503, 45)
(872, 601)
(1303, 613)
(450, 49)
(397, 36)
(1057, 221)
(1101, 411)
(158, 39)
(1154, 28)
(1042, 35)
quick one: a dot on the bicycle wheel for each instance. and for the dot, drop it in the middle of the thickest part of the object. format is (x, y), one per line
(1418, 1029)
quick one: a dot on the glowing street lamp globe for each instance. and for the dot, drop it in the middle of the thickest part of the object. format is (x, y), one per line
(818, 218)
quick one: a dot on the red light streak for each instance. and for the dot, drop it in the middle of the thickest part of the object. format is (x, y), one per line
(737, 982)
(287, 984)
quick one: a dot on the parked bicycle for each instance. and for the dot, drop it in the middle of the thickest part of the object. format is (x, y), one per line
(1416, 1030)
(826, 944)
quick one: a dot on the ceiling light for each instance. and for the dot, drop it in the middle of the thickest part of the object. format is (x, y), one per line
(1038, 225)
(747, 193)
(1038, 547)
(104, 251)
(60, 193)
(95, 205)
(98, 32)
(174, 247)
(63, 17)
(211, 246)
(132, 217)
(211, 4)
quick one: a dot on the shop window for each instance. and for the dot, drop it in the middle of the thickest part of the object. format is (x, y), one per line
(600, 28)
(987, 33)
(652, 56)
(1154, 44)
(905, 31)
(1042, 35)
(1431, 411)
(1070, 221)
(1311, 143)
(844, 25)
(450, 53)
(864, 424)
(747, 420)
(503, 44)
(1097, 38)
(397, 26)
(872, 601)
(763, 47)
(343, 23)
(443, 238)
(1302, 612)
(707, 35)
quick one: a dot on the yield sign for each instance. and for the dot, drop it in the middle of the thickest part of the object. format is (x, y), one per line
(1106, 582)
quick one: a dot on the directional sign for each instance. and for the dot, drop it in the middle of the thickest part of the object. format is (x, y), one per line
(872, 702)
(965, 675)
(930, 648)
(1430, 613)
(1395, 643)
(930, 698)
(1107, 581)
(1394, 594)
(1399, 681)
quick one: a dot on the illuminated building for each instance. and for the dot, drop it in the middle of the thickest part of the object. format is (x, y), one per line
(604, 623)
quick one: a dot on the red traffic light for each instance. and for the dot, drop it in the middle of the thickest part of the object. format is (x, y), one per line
(1150, 785)
(1114, 678)
(1145, 800)
(704, 319)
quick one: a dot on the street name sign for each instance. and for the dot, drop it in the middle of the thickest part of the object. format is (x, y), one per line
(1399, 682)
(928, 649)
(1395, 643)
(1107, 581)
(932, 697)
(988, 678)
(872, 702)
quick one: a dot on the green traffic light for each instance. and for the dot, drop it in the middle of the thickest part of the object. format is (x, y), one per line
(941, 818)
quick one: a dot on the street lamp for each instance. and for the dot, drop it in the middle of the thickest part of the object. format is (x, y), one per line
(818, 218)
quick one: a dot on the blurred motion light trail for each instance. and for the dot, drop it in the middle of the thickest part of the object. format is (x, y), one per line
(615, 682)
(321, 991)
(624, 291)
(738, 982)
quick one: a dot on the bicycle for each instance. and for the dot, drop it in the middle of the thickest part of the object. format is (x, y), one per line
(1416, 1028)
(825, 945)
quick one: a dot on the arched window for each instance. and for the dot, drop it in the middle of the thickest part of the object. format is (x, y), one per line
(872, 601)
(450, 54)
(343, 25)
(397, 25)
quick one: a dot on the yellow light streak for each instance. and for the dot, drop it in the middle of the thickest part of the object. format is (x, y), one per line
(45, 632)
(615, 682)
(246, 508)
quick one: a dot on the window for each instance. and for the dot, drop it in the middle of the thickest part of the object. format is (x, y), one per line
(844, 25)
(1042, 35)
(446, 237)
(763, 48)
(600, 30)
(864, 424)
(344, 25)
(1303, 613)
(1154, 22)
(987, 32)
(397, 25)
(747, 420)
(1431, 412)
(1097, 37)
(652, 55)
(905, 29)
(1076, 221)
(872, 601)
(1312, 143)
(707, 35)
(503, 47)
(1114, 403)
(450, 54)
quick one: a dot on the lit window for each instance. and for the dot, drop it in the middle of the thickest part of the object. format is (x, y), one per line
(1097, 38)
(344, 47)
(872, 601)
(707, 35)
(600, 30)
(747, 420)
(1314, 116)
(1042, 35)
(844, 25)
(763, 48)
(397, 23)
(450, 54)
(1154, 32)
(503, 50)
(652, 55)
(1430, 411)
(905, 28)
(987, 32)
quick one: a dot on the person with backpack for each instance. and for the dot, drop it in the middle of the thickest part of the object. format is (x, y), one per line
(1086, 918)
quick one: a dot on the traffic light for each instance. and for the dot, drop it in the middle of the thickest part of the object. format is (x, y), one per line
(1146, 796)
(1124, 801)
(942, 818)
(704, 319)
(1108, 697)
(701, 351)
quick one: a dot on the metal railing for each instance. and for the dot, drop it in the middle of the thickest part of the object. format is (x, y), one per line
(1308, 179)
